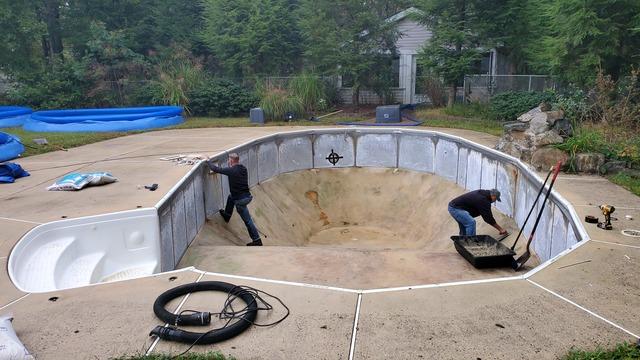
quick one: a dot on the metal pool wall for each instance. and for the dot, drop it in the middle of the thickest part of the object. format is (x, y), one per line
(199, 194)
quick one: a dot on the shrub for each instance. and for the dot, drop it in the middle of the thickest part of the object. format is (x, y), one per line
(176, 78)
(63, 85)
(434, 89)
(310, 90)
(507, 106)
(276, 103)
(221, 98)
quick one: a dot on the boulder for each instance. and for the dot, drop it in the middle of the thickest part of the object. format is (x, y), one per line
(589, 162)
(538, 123)
(563, 127)
(553, 116)
(545, 158)
(526, 117)
(612, 167)
(547, 138)
(515, 126)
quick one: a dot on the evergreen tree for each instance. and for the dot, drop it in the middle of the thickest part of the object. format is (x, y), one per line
(252, 37)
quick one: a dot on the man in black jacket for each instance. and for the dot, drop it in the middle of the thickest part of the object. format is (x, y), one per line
(473, 204)
(240, 196)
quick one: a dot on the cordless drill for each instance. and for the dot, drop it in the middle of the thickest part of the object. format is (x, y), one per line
(607, 210)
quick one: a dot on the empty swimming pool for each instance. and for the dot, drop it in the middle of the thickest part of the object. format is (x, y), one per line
(359, 208)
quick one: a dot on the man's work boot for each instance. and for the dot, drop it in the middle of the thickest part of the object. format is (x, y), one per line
(224, 215)
(255, 243)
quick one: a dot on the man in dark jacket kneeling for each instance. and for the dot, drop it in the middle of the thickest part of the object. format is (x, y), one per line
(475, 203)
(240, 195)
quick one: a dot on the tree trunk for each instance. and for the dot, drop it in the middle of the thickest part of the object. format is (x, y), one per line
(52, 19)
(452, 94)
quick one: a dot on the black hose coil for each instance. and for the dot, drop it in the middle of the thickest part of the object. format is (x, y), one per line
(230, 330)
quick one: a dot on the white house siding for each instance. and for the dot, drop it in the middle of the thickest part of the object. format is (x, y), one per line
(413, 36)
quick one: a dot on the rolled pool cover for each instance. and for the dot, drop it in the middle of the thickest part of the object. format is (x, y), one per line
(13, 116)
(10, 147)
(104, 120)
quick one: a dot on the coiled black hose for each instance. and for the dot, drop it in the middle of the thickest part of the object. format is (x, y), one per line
(245, 319)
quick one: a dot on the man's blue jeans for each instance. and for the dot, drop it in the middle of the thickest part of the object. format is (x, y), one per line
(466, 223)
(241, 206)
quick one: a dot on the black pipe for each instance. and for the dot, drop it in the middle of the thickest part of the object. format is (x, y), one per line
(202, 318)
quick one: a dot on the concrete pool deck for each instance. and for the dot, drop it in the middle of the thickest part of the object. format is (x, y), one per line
(588, 298)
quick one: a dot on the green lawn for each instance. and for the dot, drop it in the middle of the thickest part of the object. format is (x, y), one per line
(212, 355)
(57, 140)
(628, 182)
(621, 352)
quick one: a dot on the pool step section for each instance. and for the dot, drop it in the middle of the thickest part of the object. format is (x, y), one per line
(80, 270)
(39, 267)
(78, 252)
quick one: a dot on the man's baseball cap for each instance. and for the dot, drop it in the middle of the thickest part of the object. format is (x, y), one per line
(496, 193)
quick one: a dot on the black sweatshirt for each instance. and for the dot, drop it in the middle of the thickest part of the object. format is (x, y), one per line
(238, 179)
(477, 202)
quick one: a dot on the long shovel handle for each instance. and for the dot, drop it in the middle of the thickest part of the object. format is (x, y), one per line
(532, 207)
(522, 259)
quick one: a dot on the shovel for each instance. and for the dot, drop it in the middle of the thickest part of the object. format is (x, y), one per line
(532, 207)
(518, 263)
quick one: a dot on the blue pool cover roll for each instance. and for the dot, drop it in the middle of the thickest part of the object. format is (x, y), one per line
(12, 116)
(104, 120)
(10, 147)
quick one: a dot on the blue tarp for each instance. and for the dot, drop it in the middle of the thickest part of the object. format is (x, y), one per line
(10, 147)
(104, 120)
(12, 116)
(11, 171)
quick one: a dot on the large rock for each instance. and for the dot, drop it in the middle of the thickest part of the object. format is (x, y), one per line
(545, 158)
(612, 167)
(563, 127)
(547, 138)
(589, 162)
(539, 124)
(553, 116)
(526, 117)
(515, 126)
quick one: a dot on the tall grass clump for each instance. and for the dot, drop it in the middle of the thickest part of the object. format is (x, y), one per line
(276, 103)
(310, 90)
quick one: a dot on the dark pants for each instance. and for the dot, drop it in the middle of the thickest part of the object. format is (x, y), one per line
(241, 206)
(466, 223)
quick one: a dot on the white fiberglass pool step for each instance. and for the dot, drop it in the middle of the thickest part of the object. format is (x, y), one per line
(79, 271)
(131, 273)
(41, 264)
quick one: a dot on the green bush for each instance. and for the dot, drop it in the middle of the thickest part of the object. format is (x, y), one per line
(63, 85)
(509, 105)
(277, 102)
(623, 351)
(221, 98)
(310, 89)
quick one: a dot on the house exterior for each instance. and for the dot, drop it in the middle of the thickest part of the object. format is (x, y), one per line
(413, 36)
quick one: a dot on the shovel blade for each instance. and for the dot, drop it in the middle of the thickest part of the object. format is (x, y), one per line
(517, 264)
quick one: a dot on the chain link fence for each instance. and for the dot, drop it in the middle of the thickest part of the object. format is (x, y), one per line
(480, 88)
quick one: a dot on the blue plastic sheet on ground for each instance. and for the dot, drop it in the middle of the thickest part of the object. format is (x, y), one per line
(11, 171)
(10, 147)
(13, 116)
(104, 120)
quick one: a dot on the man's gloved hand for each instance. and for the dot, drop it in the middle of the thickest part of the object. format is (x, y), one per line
(503, 232)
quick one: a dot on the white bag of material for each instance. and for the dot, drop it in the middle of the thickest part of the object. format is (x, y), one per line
(77, 181)
(11, 348)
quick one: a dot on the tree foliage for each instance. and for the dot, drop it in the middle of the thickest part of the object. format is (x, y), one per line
(252, 37)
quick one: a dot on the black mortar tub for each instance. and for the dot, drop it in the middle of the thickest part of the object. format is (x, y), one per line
(483, 251)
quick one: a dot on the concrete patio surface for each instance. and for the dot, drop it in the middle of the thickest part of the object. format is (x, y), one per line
(567, 304)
